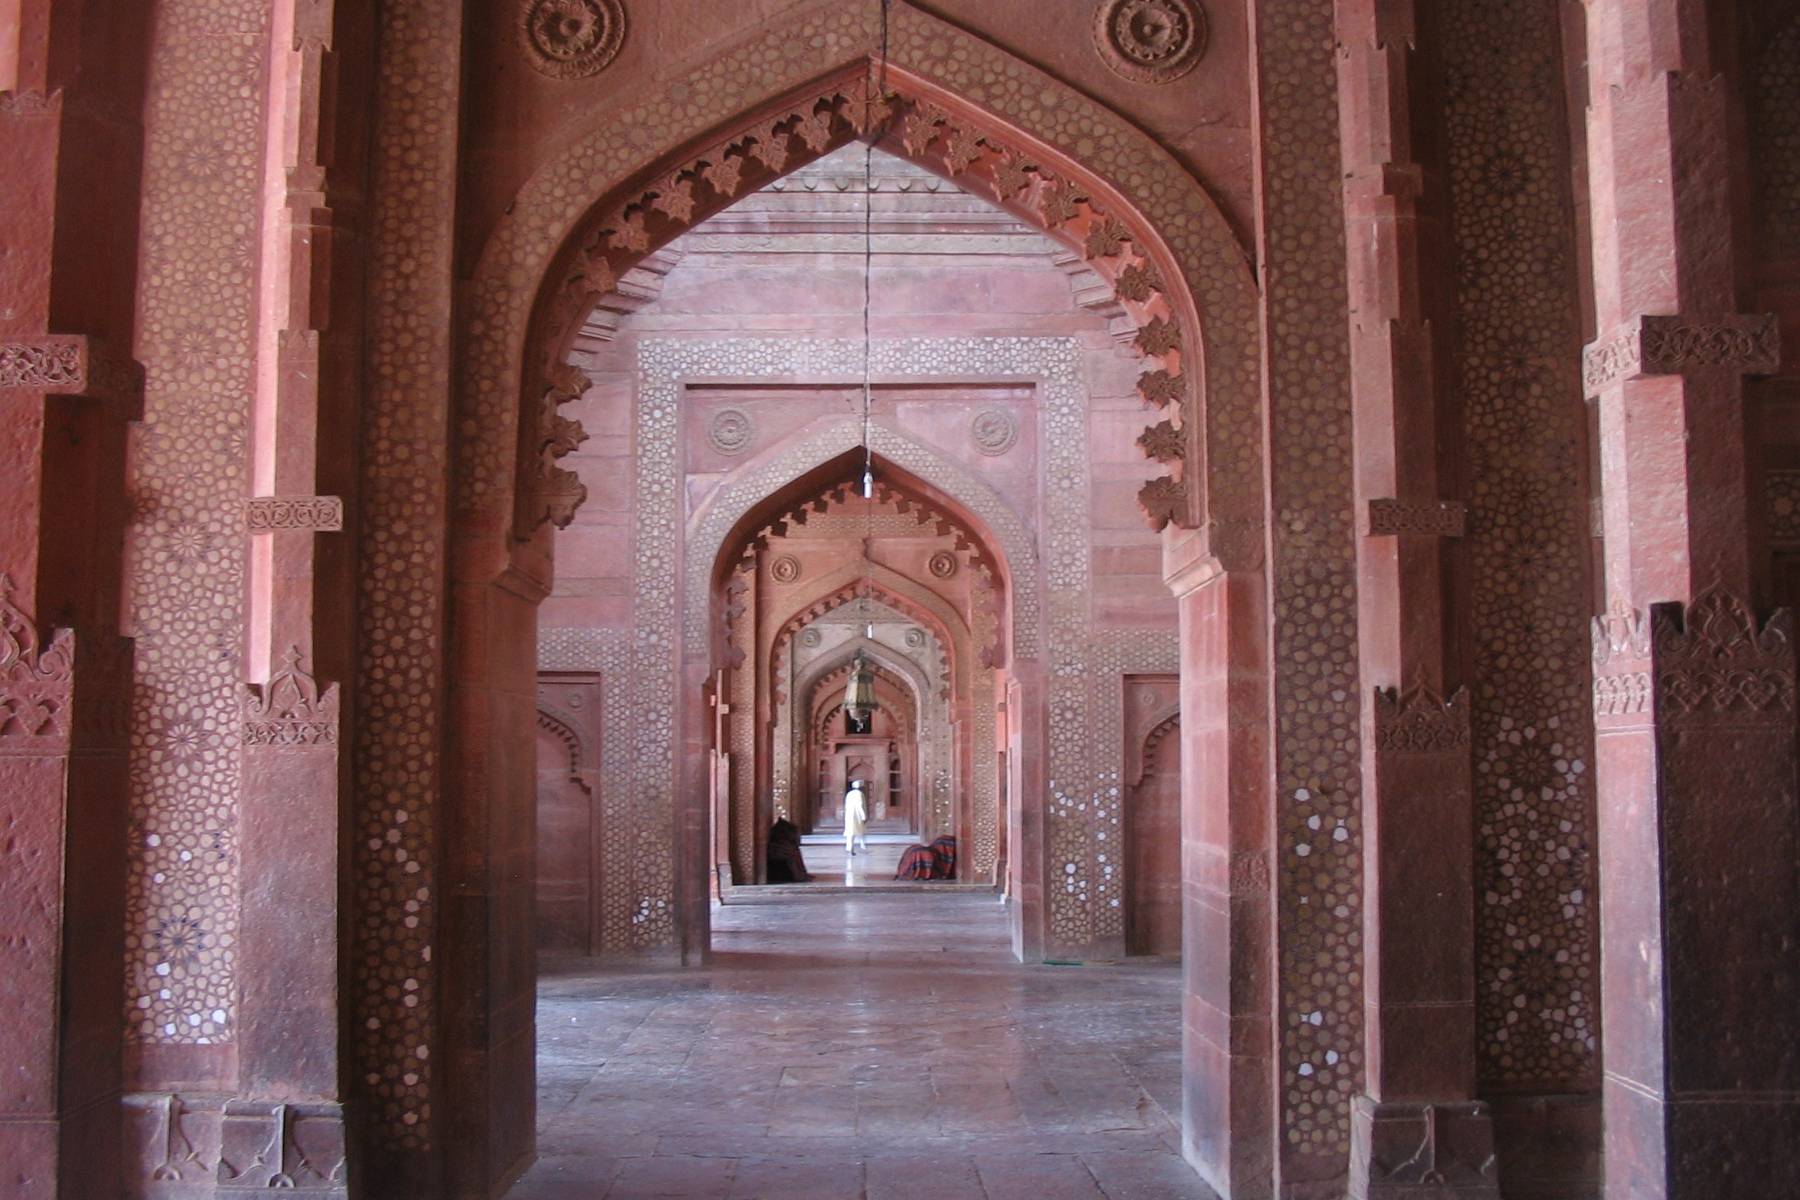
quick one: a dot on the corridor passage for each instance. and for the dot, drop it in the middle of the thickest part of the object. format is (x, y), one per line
(875, 1047)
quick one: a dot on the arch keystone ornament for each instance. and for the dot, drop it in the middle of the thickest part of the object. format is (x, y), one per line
(571, 39)
(1150, 41)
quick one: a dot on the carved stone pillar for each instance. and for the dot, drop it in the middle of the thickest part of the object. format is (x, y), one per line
(1228, 1117)
(1693, 688)
(68, 206)
(1416, 1130)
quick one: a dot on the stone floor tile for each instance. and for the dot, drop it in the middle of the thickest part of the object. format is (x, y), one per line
(868, 1047)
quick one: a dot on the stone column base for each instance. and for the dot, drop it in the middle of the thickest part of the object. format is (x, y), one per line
(208, 1147)
(1415, 1151)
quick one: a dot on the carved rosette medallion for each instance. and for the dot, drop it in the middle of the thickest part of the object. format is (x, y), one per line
(571, 39)
(1150, 41)
(915, 639)
(785, 569)
(732, 431)
(994, 430)
(811, 638)
(942, 564)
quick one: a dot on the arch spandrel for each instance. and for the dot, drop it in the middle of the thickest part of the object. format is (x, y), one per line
(1216, 301)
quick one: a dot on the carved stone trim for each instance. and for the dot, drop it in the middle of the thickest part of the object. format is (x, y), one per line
(212, 1145)
(1150, 41)
(556, 492)
(1673, 345)
(36, 680)
(1621, 641)
(317, 514)
(69, 365)
(1419, 721)
(571, 39)
(290, 712)
(281, 1147)
(1445, 518)
(1781, 506)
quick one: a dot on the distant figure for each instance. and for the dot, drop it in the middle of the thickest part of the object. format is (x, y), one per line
(856, 818)
(785, 863)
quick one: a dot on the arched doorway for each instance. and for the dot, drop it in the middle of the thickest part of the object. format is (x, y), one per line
(496, 580)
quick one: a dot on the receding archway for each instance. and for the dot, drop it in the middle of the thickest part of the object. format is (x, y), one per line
(496, 580)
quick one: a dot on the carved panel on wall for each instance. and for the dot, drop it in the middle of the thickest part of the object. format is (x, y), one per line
(271, 514)
(571, 39)
(1150, 41)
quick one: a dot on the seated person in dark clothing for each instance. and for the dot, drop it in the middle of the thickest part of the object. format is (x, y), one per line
(785, 863)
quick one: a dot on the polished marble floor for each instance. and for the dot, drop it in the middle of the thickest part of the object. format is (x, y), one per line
(862, 1047)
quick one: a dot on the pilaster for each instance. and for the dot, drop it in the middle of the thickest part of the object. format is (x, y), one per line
(1416, 1131)
(1694, 680)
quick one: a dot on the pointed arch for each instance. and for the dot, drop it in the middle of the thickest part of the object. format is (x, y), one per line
(630, 180)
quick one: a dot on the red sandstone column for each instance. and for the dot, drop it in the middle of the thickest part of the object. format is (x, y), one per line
(1693, 688)
(1227, 1126)
(69, 104)
(287, 1121)
(1416, 1130)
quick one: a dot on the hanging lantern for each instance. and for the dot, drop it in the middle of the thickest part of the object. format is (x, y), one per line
(859, 693)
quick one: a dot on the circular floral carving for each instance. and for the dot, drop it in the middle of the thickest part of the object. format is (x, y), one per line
(1150, 41)
(571, 39)
(994, 430)
(915, 638)
(785, 569)
(943, 564)
(810, 638)
(732, 430)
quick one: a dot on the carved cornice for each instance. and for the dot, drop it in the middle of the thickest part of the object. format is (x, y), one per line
(271, 514)
(1419, 721)
(1442, 518)
(290, 711)
(1674, 345)
(65, 364)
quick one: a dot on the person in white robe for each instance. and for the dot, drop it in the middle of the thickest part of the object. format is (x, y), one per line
(856, 818)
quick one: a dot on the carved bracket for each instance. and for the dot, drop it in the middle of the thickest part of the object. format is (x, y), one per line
(271, 514)
(1444, 518)
(558, 492)
(1673, 345)
(69, 365)
(290, 712)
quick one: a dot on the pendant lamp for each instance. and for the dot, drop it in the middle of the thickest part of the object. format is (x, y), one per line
(859, 693)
